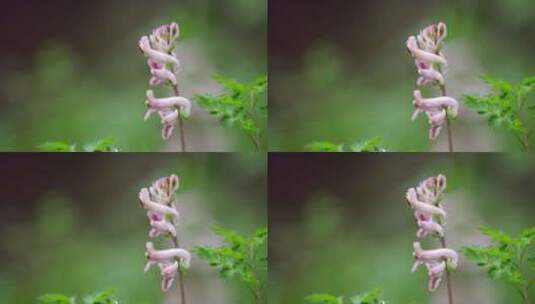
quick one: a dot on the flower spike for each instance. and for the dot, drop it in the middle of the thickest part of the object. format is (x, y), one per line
(430, 216)
(159, 201)
(164, 66)
(425, 48)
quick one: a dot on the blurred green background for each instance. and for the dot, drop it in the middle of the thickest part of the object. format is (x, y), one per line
(72, 71)
(73, 224)
(346, 228)
(340, 70)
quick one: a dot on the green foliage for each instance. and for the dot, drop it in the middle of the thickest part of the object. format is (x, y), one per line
(506, 106)
(507, 257)
(370, 145)
(324, 146)
(240, 105)
(240, 257)
(371, 297)
(56, 147)
(324, 298)
(104, 297)
(103, 145)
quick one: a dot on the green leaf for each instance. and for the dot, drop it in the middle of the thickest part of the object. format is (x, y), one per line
(240, 257)
(55, 299)
(370, 145)
(104, 297)
(497, 236)
(527, 238)
(371, 297)
(323, 298)
(242, 106)
(56, 147)
(531, 262)
(230, 84)
(505, 106)
(324, 146)
(103, 145)
(499, 86)
(504, 257)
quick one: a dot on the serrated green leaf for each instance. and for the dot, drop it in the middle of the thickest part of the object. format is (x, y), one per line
(497, 235)
(240, 105)
(503, 258)
(230, 84)
(505, 106)
(239, 257)
(498, 85)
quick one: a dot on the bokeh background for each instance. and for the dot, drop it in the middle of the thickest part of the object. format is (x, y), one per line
(72, 224)
(71, 71)
(340, 70)
(340, 224)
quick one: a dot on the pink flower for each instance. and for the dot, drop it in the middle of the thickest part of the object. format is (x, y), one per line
(168, 261)
(436, 109)
(156, 55)
(423, 207)
(160, 74)
(427, 225)
(165, 256)
(428, 74)
(434, 255)
(424, 55)
(158, 200)
(150, 205)
(425, 201)
(164, 188)
(435, 261)
(169, 109)
(160, 225)
(431, 38)
(168, 272)
(164, 37)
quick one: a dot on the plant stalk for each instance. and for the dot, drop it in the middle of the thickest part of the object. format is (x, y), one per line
(181, 286)
(180, 124)
(448, 278)
(526, 294)
(525, 141)
(448, 123)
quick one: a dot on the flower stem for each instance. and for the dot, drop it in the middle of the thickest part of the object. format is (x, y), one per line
(448, 123)
(448, 279)
(181, 287)
(180, 123)
(525, 294)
